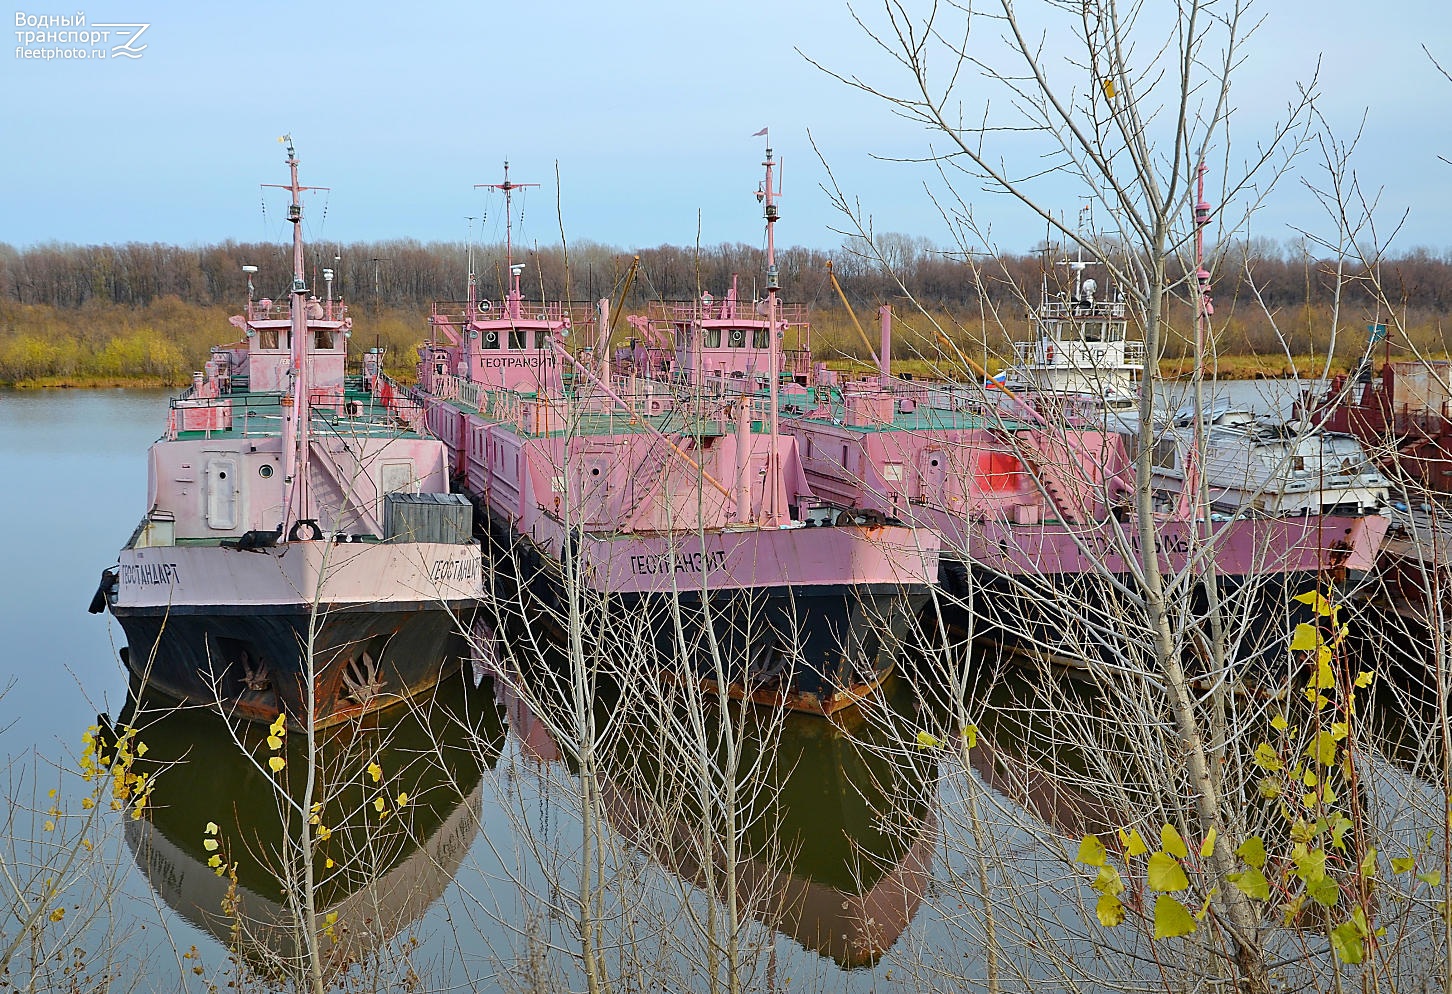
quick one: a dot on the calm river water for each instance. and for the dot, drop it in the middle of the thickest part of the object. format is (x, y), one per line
(461, 852)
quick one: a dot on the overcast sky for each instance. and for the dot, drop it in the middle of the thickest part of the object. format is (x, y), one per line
(646, 108)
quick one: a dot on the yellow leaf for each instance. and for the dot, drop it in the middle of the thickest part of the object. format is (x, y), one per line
(274, 742)
(142, 749)
(1363, 679)
(375, 771)
(1133, 843)
(1266, 757)
(1268, 788)
(1208, 846)
(402, 800)
(1171, 842)
(970, 735)
(1252, 850)
(276, 763)
(210, 845)
(380, 804)
(1339, 730)
(1305, 638)
(1165, 874)
(87, 803)
(1252, 883)
(324, 832)
(1315, 599)
(1323, 749)
(49, 826)
(1091, 851)
(1279, 723)
(211, 828)
(1109, 91)
(1109, 910)
(926, 740)
(58, 914)
(1171, 918)
(1108, 881)
(328, 862)
(215, 861)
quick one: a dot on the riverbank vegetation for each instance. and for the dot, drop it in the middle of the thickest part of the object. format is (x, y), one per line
(146, 315)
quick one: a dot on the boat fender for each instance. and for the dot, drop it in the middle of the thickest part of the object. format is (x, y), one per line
(108, 582)
(308, 525)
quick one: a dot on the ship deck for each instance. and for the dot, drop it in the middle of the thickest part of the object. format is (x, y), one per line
(260, 414)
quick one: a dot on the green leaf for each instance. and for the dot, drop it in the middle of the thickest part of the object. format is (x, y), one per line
(1252, 850)
(1165, 874)
(1269, 788)
(927, 740)
(1171, 842)
(970, 735)
(1207, 848)
(1133, 842)
(1091, 851)
(1323, 891)
(1279, 723)
(1368, 863)
(1347, 941)
(1431, 878)
(1171, 918)
(1403, 864)
(1310, 866)
(1252, 883)
(1109, 910)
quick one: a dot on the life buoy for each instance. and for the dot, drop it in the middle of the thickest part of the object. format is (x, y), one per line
(1049, 353)
(314, 533)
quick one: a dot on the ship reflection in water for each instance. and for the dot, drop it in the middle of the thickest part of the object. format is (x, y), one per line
(397, 801)
(837, 830)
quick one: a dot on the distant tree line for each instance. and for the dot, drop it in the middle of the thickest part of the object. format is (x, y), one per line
(406, 273)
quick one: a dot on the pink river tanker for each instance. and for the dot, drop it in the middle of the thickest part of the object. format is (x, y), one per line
(686, 518)
(300, 553)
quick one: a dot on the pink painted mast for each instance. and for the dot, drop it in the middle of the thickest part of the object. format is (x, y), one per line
(771, 512)
(513, 305)
(297, 412)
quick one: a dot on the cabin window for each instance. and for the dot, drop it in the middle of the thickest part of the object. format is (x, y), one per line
(1167, 454)
(267, 338)
(323, 338)
(517, 339)
(738, 338)
(892, 472)
(541, 339)
(711, 338)
(759, 338)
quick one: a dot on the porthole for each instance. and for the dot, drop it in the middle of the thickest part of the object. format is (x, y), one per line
(265, 470)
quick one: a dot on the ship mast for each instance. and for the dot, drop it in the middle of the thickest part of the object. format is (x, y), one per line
(297, 413)
(768, 196)
(513, 307)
